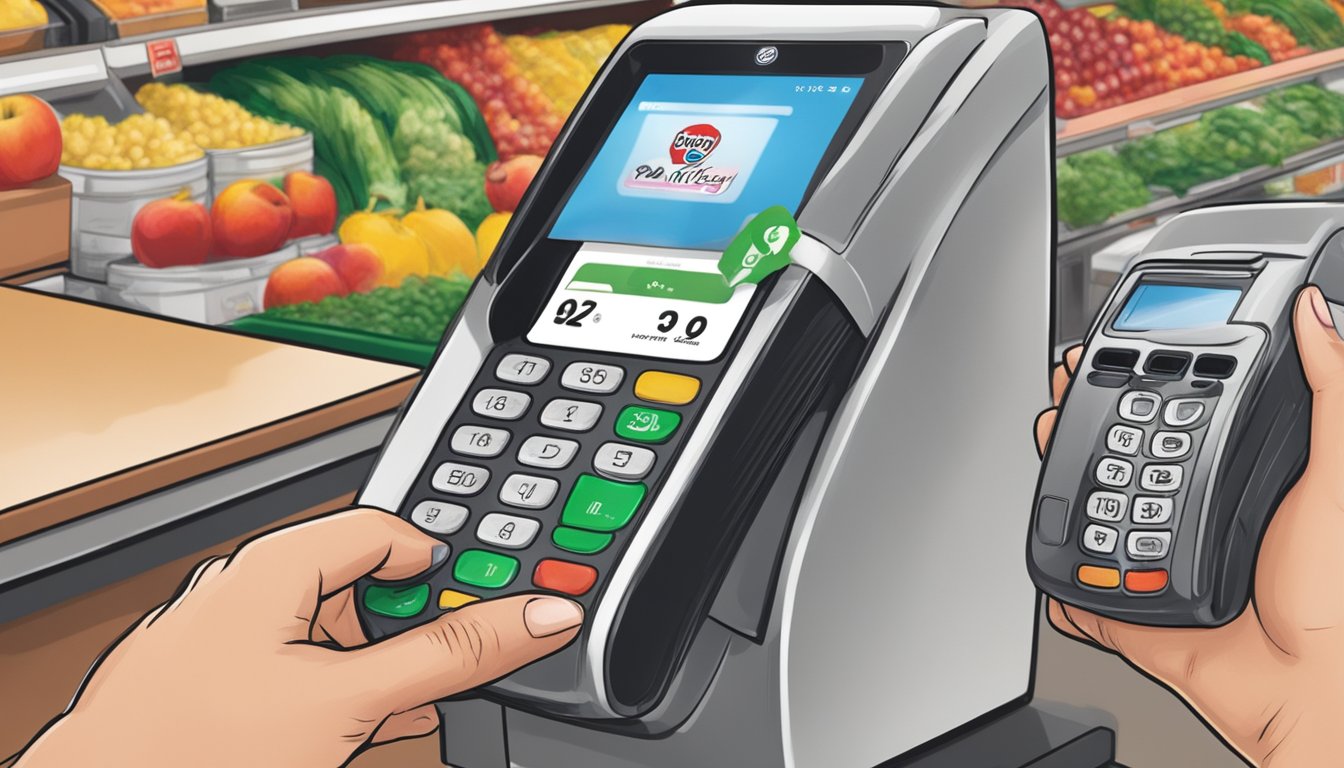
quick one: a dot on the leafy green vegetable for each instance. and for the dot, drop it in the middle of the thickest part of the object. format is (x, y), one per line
(1223, 142)
(1091, 187)
(1319, 113)
(349, 143)
(1313, 22)
(420, 310)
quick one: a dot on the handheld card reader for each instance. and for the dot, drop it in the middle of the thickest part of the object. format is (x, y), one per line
(736, 479)
(1187, 419)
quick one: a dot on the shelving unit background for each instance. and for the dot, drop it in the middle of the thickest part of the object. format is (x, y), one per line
(98, 77)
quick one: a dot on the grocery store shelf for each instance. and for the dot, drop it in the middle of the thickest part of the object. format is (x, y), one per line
(228, 41)
(1072, 239)
(52, 71)
(61, 68)
(1146, 116)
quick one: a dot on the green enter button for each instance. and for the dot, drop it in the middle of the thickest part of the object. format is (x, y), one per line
(647, 425)
(580, 542)
(601, 505)
(397, 602)
(485, 569)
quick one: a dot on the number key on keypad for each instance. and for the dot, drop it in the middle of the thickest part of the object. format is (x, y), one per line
(1101, 539)
(1114, 472)
(1124, 440)
(460, 479)
(507, 531)
(528, 491)
(1162, 477)
(500, 404)
(1152, 510)
(1107, 506)
(522, 369)
(547, 452)
(439, 516)
(570, 415)
(486, 442)
(1148, 545)
(592, 377)
(623, 462)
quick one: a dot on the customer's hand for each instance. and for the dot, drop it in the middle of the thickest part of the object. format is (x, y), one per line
(1271, 682)
(230, 673)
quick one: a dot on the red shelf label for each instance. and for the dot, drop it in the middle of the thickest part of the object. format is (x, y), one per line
(163, 57)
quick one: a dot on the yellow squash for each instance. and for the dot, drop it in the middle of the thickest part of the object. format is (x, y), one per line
(489, 233)
(401, 250)
(452, 247)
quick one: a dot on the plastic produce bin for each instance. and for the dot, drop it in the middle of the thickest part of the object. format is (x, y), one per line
(105, 203)
(264, 161)
(213, 293)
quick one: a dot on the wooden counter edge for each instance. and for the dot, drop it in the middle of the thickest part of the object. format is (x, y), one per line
(111, 490)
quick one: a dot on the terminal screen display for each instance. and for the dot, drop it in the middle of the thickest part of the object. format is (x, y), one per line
(695, 156)
(665, 304)
(1164, 306)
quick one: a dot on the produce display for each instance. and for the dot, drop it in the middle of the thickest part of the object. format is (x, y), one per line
(1277, 40)
(522, 86)
(1315, 23)
(562, 63)
(21, 14)
(1091, 187)
(138, 142)
(251, 217)
(30, 141)
(210, 121)
(134, 9)
(385, 131)
(1094, 186)
(1104, 62)
(1195, 21)
(419, 310)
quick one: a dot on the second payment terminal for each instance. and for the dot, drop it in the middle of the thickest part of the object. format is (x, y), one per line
(765, 496)
(1188, 419)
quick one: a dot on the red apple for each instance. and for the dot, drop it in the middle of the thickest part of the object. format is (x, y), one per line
(358, 265)
(505, 182)
(302, 279)
(30, 141)
(314, 203)
(250, 218)
(172, 232)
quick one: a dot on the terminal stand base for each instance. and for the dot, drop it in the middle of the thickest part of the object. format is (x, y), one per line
(1034, 735)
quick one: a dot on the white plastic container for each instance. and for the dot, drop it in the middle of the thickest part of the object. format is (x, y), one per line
(264, 161)
(214, 293)
(104, 203)
(315, 244)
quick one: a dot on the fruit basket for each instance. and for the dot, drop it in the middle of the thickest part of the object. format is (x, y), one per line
(239, 143)
(29, 25)
(145, 17)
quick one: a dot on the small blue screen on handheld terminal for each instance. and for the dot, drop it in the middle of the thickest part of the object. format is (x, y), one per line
(1163, 307)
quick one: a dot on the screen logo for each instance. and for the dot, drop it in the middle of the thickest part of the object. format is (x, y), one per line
(694, 143)
(689, 171)
(767, 55)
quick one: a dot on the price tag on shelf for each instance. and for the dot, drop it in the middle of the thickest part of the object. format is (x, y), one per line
(163, 57)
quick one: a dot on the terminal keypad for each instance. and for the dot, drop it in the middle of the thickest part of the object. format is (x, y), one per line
(548, 464)
(1138, 482)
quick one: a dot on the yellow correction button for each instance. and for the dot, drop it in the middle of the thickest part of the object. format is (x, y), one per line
(667, 388)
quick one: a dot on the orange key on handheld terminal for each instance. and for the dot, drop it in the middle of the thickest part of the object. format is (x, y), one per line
(1096, 576)
(566, 577)
(1146, 581)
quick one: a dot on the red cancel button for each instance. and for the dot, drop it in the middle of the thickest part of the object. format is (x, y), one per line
(566, 577)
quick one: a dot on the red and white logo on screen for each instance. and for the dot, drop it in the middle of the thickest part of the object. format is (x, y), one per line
(694, 143)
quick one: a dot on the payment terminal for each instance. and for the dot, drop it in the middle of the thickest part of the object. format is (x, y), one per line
(766, 496)
(1188, 418)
